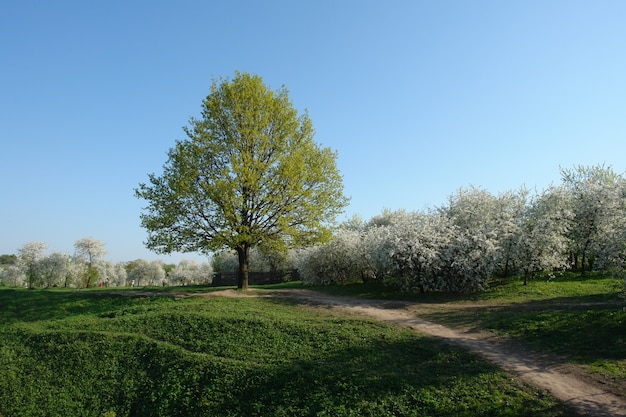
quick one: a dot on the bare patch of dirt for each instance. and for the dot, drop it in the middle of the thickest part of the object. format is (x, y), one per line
(228, 293)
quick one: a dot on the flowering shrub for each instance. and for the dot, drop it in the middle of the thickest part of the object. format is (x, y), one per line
(414, 244)
(466, 263)
(342, 260)
(409, 251)
(191, 273)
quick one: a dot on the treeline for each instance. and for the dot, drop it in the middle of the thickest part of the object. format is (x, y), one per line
(33, 268)
(578, 225)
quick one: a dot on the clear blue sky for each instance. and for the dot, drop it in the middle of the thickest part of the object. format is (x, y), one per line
(419, 98)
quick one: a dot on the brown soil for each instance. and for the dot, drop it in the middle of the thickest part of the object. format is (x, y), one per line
(589, 395)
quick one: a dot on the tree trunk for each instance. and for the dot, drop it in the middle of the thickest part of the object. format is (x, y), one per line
(583, 260)
(573, 261)
(244, 261)
(506, 267)
(582, 265)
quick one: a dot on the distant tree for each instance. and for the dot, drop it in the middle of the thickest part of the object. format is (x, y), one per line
(249, 174)
(92, 252)
(190, 273)
(29, 256)
(12, 276)
(111, 274)
(8, 259)
(386, 218)
(137, 271)
(226, 261)
(157, 273)
(120, 274)
(466, 263)
(168, 268)
(146, 273)
(6, 262)
(54, 269)
(275, 261)
(76, 273)
(398, 247)
(183, 273)
(489, 222)
(205, 274)
(355, 223)
(375, 240)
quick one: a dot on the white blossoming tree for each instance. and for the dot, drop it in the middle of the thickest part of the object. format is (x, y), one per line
(542, 243)
(13, 276)
(595, 197)
(29, 256)
(191, 273)
(53, 269)
(342, 260)
(91, 252)
(145, 273)
(474, 250)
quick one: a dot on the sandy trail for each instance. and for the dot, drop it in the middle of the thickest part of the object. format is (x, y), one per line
(542, 372)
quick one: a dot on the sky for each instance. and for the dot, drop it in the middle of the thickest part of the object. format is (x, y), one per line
(419, 98)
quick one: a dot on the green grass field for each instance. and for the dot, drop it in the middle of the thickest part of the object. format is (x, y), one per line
(106, 353)
(581, 319)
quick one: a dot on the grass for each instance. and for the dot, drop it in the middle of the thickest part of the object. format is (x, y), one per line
(106, 353)
(578, 318)
(581, 319)
(509, 290)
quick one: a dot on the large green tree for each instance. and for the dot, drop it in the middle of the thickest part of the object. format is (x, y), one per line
(249, 174)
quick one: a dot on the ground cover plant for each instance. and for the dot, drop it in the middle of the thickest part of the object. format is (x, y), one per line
(580, 319)
(103, 353)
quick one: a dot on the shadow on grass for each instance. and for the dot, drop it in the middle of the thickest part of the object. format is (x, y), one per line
(315, 366)
(593, 287)
(378, 291)
(583, 329)
(135, 375)
(43, 304)
(402, 378)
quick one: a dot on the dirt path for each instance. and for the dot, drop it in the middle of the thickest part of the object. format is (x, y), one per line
(540, 371)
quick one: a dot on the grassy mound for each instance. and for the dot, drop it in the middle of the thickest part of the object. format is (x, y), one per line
(93, 353)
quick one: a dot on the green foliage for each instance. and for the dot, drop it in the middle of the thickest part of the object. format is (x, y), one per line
(93, 353)
(250, 174)
(580, 319)
(568, 330)
(8, 259)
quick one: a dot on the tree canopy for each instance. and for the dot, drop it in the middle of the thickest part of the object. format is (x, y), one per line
(249, 174)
